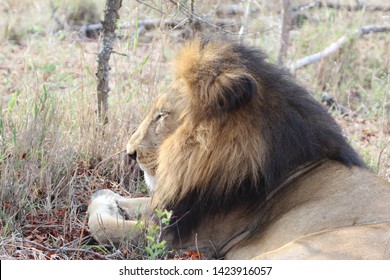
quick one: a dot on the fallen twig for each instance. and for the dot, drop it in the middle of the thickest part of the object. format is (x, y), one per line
(149, 24)
(338, 6)
(336, 45)
(28, 244)
(333, 104)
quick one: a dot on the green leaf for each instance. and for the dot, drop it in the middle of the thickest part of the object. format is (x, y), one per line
(150, 239)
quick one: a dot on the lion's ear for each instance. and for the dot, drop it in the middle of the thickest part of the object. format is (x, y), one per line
(213, 77)
(226, 92)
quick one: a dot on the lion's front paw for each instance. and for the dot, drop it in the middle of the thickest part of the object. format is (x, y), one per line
(109, 217)
(105, 194)
(105, 201)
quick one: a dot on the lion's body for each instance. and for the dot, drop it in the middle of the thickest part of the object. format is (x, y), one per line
(333, 212)
(253, 167)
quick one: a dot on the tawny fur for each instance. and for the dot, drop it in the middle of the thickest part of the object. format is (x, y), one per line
(252, 166)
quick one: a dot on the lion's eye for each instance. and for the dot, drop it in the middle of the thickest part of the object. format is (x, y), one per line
(160, 115)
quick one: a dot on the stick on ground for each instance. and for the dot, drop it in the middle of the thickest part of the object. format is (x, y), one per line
(336, 45)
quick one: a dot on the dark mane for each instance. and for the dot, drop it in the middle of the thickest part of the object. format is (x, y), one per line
(298, 128)
(295, 128)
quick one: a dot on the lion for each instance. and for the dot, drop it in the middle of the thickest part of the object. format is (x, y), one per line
(251, 166)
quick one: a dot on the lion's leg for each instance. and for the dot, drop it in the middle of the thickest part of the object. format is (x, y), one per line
(134, 207)
(110, 216)
(107, 229)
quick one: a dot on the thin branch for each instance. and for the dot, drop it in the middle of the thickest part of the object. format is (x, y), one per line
(153, 8)
(286, 27)
(192, 13)
(378, 165)
(109, 157)
(111, 16)
(244, 25)
(332, 48)
(200, 19)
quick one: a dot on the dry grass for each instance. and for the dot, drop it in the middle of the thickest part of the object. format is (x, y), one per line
(53, 152)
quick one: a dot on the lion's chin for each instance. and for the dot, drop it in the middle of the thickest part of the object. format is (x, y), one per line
(150, 180)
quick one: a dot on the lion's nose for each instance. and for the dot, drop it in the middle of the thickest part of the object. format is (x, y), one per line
(132, 155)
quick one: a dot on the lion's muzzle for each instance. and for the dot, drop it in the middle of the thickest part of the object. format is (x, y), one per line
(132, 154)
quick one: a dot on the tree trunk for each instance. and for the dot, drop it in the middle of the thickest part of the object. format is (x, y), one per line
(111, 16)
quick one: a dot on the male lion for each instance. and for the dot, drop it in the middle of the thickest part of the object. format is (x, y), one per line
(251, 166)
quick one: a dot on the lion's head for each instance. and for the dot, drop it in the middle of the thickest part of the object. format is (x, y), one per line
(161, 120)
(229, 132)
